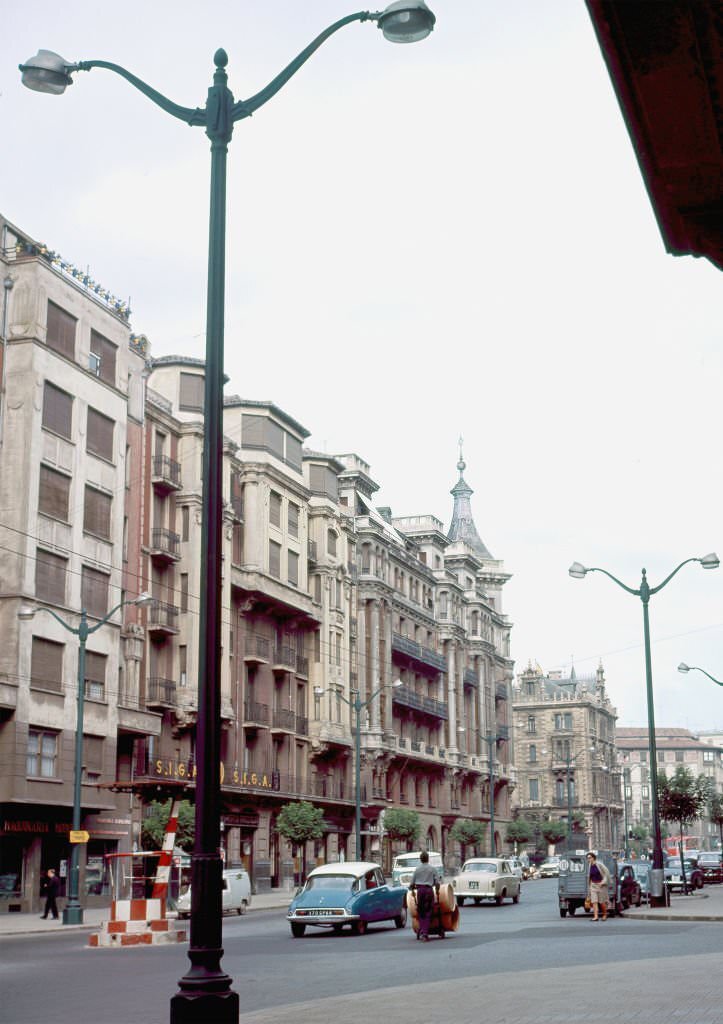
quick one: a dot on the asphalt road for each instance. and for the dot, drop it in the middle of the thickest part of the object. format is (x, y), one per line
(58, 978)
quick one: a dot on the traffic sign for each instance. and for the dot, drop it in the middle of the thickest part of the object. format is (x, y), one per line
(79, 836)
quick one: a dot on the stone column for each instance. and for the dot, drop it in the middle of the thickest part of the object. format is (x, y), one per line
(388, 674)
(451, 695)
(375, 681)
(362, 646)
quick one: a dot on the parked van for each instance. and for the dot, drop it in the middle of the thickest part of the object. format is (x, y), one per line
(235, 894)
(405, 863)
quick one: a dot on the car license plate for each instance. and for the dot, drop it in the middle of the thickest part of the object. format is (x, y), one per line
(474, 885)
(675, 878)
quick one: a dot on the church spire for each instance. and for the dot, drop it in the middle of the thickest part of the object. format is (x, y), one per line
(462, 527)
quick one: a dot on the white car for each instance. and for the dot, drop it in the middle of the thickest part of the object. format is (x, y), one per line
(487, 878)
(517, 868)
(235, 894)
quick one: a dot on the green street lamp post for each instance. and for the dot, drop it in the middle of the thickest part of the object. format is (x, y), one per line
(73, 911)
(205, 992)
(645, 592)
(694, 668)
(357, 705)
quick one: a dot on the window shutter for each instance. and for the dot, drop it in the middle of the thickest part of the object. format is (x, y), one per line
(50, 572)
(293, 452)
(46, 666)
(275, 509)
(293, 519)
(97, 512)
(99, 439)
(60, 335)
(57, 410)
(106, 352)
(54, 493)
(274, 559)
(293, 563)
(94, 591)
(192, 392)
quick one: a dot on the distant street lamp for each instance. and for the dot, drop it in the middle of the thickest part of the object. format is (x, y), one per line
(357, 705)
(694, 668)
(205, 991)
(645, 592)
(73, 911)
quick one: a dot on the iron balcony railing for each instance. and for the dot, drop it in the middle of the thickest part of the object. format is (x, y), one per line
(302, 665)
(162, 615)
(165, 541)
(167, 470)
(285, 655)
(257, 646)
(470, 677)
(424, 655)
(284, 719)
(161, 691)
(255, 712)
(408, 698)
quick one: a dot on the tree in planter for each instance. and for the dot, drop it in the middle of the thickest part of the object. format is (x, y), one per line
(578, 821)
(155, 820)
(552, 831)
(402, 825)
(715, 813)
(297, 823)
(520, 831)
(639, 833)
(467, 833)
(681, 799)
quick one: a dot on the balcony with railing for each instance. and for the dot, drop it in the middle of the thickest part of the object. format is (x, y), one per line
(255, 713)
(284, 659)
(302, 666)
(160, 693)
(162, 617)
(408, 698)
(165, 545)
(165, 473)
(257, 649)
(470, 677)
(418, 653)
(500, 691)
(283, 720)
(302, 725)
(326, 788)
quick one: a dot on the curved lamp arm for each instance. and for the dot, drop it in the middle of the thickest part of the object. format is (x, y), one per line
(654, 590)
(245, 108)
(694, 668)
(620, 583)
(193, 116)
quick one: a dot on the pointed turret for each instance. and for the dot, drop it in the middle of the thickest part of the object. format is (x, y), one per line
(462, 527)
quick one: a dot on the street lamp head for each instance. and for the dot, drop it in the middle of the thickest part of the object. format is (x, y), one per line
(577, 571)
(397, 683)
(681, 668)
(26, 612)
(47, 72)
(710, 561)
(143, 599)
(406, 21)
(319, 691)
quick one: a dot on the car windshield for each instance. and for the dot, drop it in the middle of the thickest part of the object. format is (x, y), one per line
(489, 869)
(709, 858)
(347, 882)
(675, 865)
(407, 862)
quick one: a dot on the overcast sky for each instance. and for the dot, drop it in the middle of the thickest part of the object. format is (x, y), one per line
(451, 238)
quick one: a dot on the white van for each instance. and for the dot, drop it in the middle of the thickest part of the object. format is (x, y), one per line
(405, 863)
(235, 894)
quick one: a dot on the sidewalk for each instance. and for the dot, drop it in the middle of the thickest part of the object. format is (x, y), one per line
(33, 924)
(703, 905)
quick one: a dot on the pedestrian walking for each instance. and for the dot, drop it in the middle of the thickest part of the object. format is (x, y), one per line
(50, 887)
(424, 882)
(597, 890)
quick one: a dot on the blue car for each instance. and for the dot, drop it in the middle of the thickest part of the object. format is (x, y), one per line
(353, 893)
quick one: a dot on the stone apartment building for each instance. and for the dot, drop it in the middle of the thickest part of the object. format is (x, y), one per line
(327, 598)
(701, 753)
(566, 754)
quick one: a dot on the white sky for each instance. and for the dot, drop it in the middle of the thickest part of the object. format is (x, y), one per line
(423, 241)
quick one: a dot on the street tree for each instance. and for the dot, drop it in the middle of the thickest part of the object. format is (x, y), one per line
(639, 834)
(467, 832)
(402, 826)
(519, 831)
(155, 820)
(299, 822)
(552, 830)
(682, 798)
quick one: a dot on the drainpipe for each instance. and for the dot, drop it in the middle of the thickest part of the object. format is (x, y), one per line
(8, 283)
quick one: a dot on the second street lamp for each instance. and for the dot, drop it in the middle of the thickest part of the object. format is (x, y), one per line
(645, 592)
(357, 705)
(694, 668)
(205, 990)
(73, 911)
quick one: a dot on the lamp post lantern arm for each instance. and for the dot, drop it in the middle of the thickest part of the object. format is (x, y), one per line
(668, 578)
(695, 668)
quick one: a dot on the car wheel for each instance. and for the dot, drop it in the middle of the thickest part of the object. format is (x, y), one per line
(400, 920)
(297, 930)
(336, 928)
(699, 883)
(460, 901)
(243, 908)
(563, 912)
(359, 927)
(478, 902)
(571, 909)
(640, 899)
(516, 899)
(498, 899)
